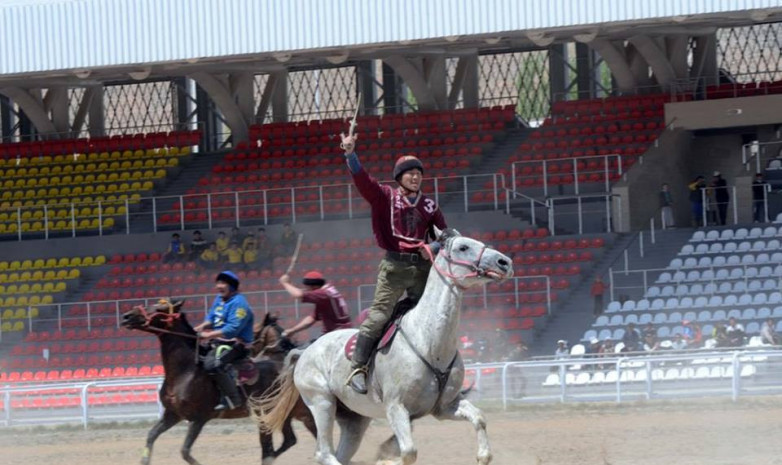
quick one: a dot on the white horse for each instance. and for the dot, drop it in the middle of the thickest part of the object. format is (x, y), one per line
(420, 373)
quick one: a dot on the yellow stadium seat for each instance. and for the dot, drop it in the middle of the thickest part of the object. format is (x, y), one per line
(45, 171)
(60, 287)
(83, 224)
(4, 278)
(108, 223)
(147, 185)
(23, 288)
(34, 312)
(35, 288)
(150, 163)
(74, 274)
(18, 326)
(124, 176)
(36, 226)
(46, 300)
(77, 190)
(8, 314)
(86, 261)
(173, 151)
(24, 276)
(126, 165)
(67, 169)
(10, 301)
(35, 300)
(51, 263)
(139, 174)
(100, 188)
(3, 266)
(100, 260)
(21, 300)
(37, 275)
(63, 262)
(94, 224)
(137, 164)
(65, 191)
(62, 274)
(113, 177)
(20, 314)
(56, 170)
(14, 265)
(12, 228)
(184, 150)
(7, 327)
(111, 188)
(26, 265)
(48, 287)
(101, 177)
(89, 189)
(75, 261)
(89, 179)
(49, 275)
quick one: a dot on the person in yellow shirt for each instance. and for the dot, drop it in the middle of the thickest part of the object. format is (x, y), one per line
(210, 257)
(222, 244)
(234, 254)
(250, 255)
(249, 241)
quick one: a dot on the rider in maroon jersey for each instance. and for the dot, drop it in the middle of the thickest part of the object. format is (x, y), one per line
(402, 220)
(330, 307)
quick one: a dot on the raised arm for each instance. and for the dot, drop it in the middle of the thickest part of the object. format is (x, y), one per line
(367, 186)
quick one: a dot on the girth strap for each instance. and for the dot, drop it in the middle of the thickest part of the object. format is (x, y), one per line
(440, 376)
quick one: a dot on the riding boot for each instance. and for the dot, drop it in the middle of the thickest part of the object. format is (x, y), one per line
(358, 377)
(230, 394)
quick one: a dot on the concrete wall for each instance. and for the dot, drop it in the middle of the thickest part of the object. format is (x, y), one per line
(725, 113)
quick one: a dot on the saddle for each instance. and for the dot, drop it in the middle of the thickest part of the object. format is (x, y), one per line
(389, 330)
(244, 371)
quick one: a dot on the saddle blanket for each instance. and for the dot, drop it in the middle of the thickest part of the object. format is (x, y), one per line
(388, 336)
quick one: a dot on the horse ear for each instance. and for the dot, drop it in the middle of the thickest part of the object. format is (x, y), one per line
(437, 232)
(177, 304)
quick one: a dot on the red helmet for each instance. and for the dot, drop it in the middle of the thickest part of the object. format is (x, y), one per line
(313, 278)
(407, 163)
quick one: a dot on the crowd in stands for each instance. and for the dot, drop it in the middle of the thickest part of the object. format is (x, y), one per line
(240, 250)
(710, 200)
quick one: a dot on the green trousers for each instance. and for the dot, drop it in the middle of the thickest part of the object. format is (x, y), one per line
(393, 279)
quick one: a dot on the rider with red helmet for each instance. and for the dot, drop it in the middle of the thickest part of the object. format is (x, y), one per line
(402, 219)
(330, 307)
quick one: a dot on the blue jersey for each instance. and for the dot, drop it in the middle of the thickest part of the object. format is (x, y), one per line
(234, 318)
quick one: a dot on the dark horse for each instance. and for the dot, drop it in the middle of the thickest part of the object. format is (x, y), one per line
(189, 394)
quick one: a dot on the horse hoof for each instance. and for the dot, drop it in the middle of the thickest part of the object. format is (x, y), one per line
(485, 460)
(267, 461)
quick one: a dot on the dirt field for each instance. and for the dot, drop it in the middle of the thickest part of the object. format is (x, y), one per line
(701, 432)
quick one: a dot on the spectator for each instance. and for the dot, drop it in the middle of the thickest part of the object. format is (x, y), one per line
(562, 350)
(606, 350)
(696, 200)
(249, 240)
(692, 333)
(666, 207)
(597, 291)
(768, 333)
(760, 189)
(650, 343)
(517, 353)
(264, 247)
(222, 243)
(649, 329)
(249, 255)
(721, 197)
(735, 332)
(594, 347)
(236, 235)
(234, 254)
(287, 240)
(197, 245)
(679, 342)
(209, 258)
(176, 250)
(720, 335)
(631, 339)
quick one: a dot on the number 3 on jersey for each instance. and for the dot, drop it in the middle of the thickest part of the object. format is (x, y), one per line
(429, 205)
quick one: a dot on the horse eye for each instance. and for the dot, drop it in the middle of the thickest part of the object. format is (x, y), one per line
(463, 248)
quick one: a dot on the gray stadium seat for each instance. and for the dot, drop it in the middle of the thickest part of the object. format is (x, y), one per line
(613, 306)
(733, 260)
(750, 272)
(749, 314)
(716, 247)
(685, 302)
(737, 273)
(704, 262)
(631, 318)
(645, 318)
(704, 315)
(687, 249)
(760, 299)
(658, 304)
(616, 320)
(698, 236)
(700, 301)
(676, 263)
(725, 287)
(665, 277)
(679, 276)
(618, 334)
(663, 331)
(763, 313)
(769, 231)
(628, 306)
(690, 262)
(765, 272)
(682, 290)
(727, 234)
(746, 299)
(660, 318)
(730, 300)
(754, 285)
(710, 288)
(753, 327)
(604, 334)
(734, 313)
(653, 291)
(667, 291)
(715, 301)
(693, 275)
(677, 330)
(707, 329)
(718, 315)
(773, 245)
(744, 246)
(672, 302)
(777, 312)
(642, 304)
(755, 233)
(601, 321)
(730, 247)
(675, 317)
(758, 246)
(719, 260)
(748, 260)
(589, 335)
(775, 298)
(701, 249)
(740, 234)
(689, 316)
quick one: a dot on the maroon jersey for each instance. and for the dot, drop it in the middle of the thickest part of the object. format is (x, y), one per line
(396, 220)
(330, 308)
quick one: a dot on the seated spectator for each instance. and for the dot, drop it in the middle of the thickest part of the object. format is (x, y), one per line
(176, 250)
(222, 243)
(649, 329)
(692, 333)
(768, 333)
(720, 336)
(250, 256)
(562, 350)
(650, 343)
(234, 254)
(249, 240)
(735, 332)
(606, 350)
(679, 342)
(236, 235)
(594, 348)
(517, 353)
(287, 241)
(631, 339)
(209, 258)
(197, 245)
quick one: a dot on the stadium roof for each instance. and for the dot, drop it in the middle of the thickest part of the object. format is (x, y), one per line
(106, 38)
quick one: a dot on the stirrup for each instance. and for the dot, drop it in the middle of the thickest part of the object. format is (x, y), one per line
(360, 370)
(225, 404)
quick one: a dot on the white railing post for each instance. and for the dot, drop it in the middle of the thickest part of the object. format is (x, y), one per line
(575, 175)
(320, 199)
(265, 209)
(182, 213)
(516, 291)
(46, 221)
(513, 178)
(237, 209)
(209, 210)
(704, 208)
(580, 216)
(611, 283)
(293, 205)
(436, 191)
(154, 214)
(548, 295)
(89, 318)
(127, 216)
(466, 200)
(100, 219)
(73, 221)
(606, 173)
(551, 227)
(608, 213)
(545, 178)
(494, 180)
(59, 317)
(641, 243)
(735, 207)
(350, 200)
(766, 188)
(116, 310)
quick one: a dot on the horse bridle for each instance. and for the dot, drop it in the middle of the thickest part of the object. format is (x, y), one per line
(167, 318)
(476, 270)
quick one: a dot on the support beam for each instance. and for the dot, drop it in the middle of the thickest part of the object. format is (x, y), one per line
(56, 102)
(465, 82)
(656, 58)
(32, 107)
(5, 119)
(557, 56)
(268, 92)
(677, 55)
(241, 85)
(221, 95)
(280, 97)
(616, 59)
(413, 74)
(392, 102)
(704, 60)
(365, 83)
(83, 110)
(97, 115)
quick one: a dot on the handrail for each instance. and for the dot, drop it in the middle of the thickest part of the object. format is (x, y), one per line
(606, 170)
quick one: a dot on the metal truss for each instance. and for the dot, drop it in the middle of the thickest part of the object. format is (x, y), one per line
(139, 107)
(520, 78)
(751, 53)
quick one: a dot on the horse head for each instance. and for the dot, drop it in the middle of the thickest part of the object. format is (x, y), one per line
(162, 315)
(469, 262)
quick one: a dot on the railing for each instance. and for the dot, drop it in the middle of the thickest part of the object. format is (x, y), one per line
(577, 171)
(558, 207)
(278, 300)
(616, 378)
(240, 208)
(366, 293)
(710, 208)
(758, 153)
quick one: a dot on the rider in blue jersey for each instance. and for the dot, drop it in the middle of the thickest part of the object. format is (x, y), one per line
(231, 319)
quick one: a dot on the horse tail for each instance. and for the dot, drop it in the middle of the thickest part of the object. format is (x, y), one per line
(276, 404)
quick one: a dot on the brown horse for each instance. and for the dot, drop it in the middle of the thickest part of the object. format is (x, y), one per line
(188, 392)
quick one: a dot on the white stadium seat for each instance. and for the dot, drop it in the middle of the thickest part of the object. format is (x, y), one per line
(698, 236)
(726, 235)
